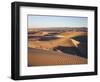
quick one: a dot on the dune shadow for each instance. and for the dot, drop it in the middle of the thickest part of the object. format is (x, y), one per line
(83, 46)
(47, 38)
(81, 39)
(68, 50)
(72, 51)
(80, 50)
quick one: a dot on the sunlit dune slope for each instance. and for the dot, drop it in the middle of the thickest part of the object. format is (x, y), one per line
(37, 57)
(57, 51)
(63, 41)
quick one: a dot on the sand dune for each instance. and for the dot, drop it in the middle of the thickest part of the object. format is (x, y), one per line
(46, 49)
(63, 41)
(39, 57)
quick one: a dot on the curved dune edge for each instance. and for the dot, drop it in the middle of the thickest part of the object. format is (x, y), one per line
(36, 58)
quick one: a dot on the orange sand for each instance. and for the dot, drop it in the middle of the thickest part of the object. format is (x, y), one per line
(41, 58)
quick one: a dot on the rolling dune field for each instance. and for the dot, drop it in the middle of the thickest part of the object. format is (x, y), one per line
(57, 47)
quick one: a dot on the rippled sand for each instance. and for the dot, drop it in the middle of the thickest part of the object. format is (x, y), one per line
(37, 57)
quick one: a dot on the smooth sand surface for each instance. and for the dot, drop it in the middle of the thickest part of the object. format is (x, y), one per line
(38, 57)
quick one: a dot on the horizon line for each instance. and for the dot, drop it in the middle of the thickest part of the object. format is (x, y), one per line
(58, 27)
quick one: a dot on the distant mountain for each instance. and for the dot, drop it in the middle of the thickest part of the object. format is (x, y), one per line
(61, 29)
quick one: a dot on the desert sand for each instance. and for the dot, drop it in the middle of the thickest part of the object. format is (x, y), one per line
(39, 57)
(56, 51)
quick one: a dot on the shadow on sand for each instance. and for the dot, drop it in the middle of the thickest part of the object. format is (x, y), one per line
(83, 46)
(80, 50)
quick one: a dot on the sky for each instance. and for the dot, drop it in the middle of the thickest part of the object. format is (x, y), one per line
(42, 21)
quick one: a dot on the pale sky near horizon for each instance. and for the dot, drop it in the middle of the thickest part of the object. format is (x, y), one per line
(41, 21)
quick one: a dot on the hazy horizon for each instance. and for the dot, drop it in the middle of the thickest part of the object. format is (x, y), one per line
(53, 27)
(44, 21)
